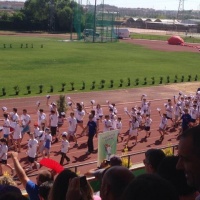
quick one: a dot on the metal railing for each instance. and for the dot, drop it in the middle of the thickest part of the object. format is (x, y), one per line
(128, 156)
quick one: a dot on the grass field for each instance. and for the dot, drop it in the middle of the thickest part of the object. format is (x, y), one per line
(52, 62)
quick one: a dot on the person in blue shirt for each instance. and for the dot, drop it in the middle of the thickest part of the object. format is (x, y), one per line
(91, 130)
(30, 186)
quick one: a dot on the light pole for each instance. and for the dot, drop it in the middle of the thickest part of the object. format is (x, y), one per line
(94, 25)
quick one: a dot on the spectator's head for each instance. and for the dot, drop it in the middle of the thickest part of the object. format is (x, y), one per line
(60, 185)
(167, 170)
(189, 156)
(153, 157)
(44, 190)
(114, 182)
(150, 186)
(115, 160)
(10, 192)
(43, 176)
(7, 180)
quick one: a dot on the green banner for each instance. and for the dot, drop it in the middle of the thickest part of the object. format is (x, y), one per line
(107, 145)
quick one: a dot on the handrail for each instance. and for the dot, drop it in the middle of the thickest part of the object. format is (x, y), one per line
(75, 167)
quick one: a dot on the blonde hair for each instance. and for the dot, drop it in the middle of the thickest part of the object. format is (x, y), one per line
(7, 180)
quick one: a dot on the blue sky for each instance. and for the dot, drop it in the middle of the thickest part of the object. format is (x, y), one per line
(156, 4)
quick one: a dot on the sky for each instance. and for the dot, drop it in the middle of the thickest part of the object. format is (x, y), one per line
(155, 4)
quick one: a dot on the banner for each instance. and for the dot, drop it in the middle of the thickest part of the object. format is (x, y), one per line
(107, 145)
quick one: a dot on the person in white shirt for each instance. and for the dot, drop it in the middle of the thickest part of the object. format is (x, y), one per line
(169, 111)
(53, 124)
(17, 136)
(25, 121)
(13, 118)
(119, 128)
(147, 125)
(32, 152)
(4, 156)
(72, 121)
(47, 143)
(107, 123)
(41, 117)
(163, 125)
(6, 127)
(64, 148)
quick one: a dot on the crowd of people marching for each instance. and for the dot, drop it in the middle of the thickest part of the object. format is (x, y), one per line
(182, 108)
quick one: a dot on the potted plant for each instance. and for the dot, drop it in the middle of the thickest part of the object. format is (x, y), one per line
(51, 88)
(145, 80)
(175, 79)
(137, 81)
(182, 78)
(40, 89)
(168, 79)
(128, 81)
(189, 78)
(111, 83)
(121, 82)
(16, 88)
(63, 87)
(196, 78)
(83, 85)
(72, 85)
(28, 87)
(161, 80)
(102, 82)
(153, 80)
(3, 91)
(93, 85)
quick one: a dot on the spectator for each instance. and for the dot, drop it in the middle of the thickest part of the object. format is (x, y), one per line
(167, 170)
(189, 156)
(149, 186)
(61, 184)
(44, 190)
(153, 157)
(31, 187)
(114, 182)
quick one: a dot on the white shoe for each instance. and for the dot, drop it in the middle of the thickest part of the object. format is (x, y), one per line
(38, 166)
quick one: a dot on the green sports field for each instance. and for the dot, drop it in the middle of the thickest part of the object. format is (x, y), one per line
(38, 61)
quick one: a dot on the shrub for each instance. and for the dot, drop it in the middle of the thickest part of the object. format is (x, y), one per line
(61, 104)
(63, 87)
(196, 78)
(40, 89)
(93, 85)
(168, 79)
(83, 85)
(161, 80)
(16, 88)
(145, 80)
(152, 80)
(121, 82)
(111, 83)
(3, 91)
(189, 78)
(102, 82)
(137, 81)
(182, 78)
(28, 87)
(72, 85)
(51, 88)
(128, 81)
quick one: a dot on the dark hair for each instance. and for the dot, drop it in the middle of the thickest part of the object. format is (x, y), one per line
(41, 110)
(154, 157)
(24, 110)
(44, 189)
(79, 107)
(118, 178)
(15, 109)
(5, 115)
(60, 185)
(44, 176)
(193, 132)
(150, 186)
(167, 170)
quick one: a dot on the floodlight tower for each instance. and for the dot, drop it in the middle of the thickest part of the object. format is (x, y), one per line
(180, 9)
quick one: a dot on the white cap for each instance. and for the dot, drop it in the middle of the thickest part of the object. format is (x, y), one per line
(198, 92)
(64, 133)
(38, 103)
(92, 101)
(158, 109)
(68, 98)
(107, 101)
(4, 108)
(165, 104)
(48, 96)
(69, 103)
(82, 103)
